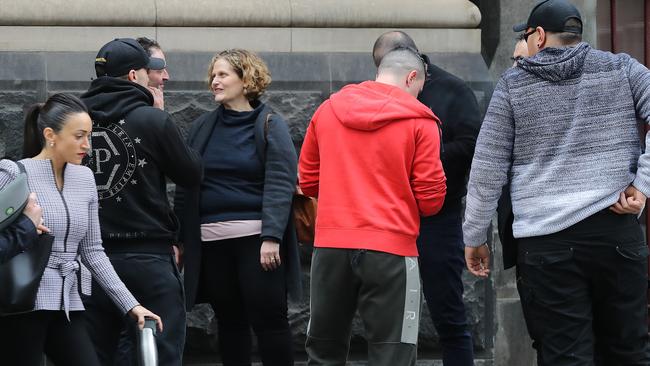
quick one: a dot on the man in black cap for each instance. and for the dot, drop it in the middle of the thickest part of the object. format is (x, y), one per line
(562, 130)
(135, 148)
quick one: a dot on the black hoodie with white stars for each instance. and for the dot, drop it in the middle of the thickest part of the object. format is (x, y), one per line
(135, 147)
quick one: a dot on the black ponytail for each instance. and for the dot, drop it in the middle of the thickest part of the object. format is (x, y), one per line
(52, 114)
(33, 138)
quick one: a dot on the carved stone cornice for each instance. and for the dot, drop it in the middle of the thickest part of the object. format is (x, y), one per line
(242, 13)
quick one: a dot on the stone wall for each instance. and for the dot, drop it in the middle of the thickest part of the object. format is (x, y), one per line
(301, 81)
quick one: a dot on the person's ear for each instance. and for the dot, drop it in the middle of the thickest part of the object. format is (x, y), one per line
(411, 77)
(132, 75)
(541, 39)
(49, 135)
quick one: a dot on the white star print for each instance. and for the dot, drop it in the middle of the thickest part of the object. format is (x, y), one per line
(134, 182)
(142, 163)
(118, 199)
(122, 122)
(137, 140)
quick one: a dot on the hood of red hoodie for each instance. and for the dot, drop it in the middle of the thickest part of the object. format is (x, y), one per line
(371, 105)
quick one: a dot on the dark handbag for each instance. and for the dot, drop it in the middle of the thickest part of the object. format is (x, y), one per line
(20, 277)
(304, 217)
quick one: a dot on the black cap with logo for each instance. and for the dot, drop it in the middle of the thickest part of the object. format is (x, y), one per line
(121, 55)
(552, 15)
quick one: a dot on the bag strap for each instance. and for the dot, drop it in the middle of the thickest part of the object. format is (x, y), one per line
(262, 132)
(21, 167)
(262, 126)
(13, 198)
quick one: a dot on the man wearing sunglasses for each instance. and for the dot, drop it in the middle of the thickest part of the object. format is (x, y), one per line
(136, 148)
(562, 129)
(157, 77)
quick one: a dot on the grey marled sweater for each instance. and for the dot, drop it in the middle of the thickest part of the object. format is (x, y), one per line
(562, 127)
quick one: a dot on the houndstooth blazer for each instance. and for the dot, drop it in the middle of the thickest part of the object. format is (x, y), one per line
(72, 217)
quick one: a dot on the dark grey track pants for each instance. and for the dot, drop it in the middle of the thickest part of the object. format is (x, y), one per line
(383, 287)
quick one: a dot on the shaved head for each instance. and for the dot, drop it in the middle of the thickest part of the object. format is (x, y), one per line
(389, 41)
(403, 68)
(400, 62)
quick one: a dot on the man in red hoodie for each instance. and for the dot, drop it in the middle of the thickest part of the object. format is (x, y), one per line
(372, 157)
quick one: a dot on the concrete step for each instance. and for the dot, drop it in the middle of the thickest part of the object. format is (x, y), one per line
(478, 362)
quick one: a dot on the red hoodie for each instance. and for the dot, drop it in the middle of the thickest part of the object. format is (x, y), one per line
(372, 157)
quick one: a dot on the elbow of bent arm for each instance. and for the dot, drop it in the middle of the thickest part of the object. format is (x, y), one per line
(310, 190)
(308, 183)
(431, 203)
(432, 206)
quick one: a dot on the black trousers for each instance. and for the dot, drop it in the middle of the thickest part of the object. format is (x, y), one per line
(242, 296)
(442, 261)
(583, 292)
(25, 337)
(155, 282)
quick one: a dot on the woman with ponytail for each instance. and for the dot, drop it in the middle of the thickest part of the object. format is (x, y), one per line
(55, 142)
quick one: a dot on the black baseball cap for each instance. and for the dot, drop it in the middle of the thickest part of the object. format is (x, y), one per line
(121, 55)
(552, 15)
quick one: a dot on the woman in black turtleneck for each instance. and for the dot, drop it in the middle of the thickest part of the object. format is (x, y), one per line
(240, 249)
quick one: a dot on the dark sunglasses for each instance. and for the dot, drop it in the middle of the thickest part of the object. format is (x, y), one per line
(525, 35)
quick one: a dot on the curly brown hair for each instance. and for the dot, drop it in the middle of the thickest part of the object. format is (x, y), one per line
(249, 67)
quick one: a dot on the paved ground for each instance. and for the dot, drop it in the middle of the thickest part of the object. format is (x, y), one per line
(360, 363)
(478, 362)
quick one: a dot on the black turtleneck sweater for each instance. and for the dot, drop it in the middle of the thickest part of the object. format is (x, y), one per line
(233, 183)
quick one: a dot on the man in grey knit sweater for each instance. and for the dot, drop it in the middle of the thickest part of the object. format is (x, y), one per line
(562, 129)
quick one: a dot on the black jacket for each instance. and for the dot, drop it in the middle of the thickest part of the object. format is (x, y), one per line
(456, 106)
(134, 148)
(280, 165)
(17, 237)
